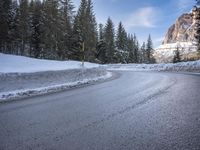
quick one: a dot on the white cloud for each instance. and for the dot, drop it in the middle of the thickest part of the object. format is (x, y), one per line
(143, 17)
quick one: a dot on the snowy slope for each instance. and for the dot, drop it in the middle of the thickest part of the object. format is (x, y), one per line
(22, 76)
(21, 64)
(165, 53)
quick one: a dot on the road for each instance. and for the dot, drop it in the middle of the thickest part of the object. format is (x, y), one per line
(134, 111)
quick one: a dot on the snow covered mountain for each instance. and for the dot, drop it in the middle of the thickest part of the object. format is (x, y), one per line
(182, 35)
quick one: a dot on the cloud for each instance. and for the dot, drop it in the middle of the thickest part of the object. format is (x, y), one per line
(143, 17)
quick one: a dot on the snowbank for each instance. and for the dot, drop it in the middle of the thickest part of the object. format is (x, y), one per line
(192, 66)
(14, 86)
(22, 76)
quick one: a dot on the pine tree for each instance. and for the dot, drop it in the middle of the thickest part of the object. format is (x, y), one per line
(5, 7)
(11, 39)
(121, 38)
(143, 53)
(91, 33)
(35, 28)
(136, 48)
(109, 35)
(85, 22)
(23, 26)
(177, 57)
(101, 45)
(51, 29)
(100, 35)
(66, 21)
(130, 47)
(149, 51)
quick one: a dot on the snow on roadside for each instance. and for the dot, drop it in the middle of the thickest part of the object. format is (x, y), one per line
(21, 64)
(5, 96)
(191, 66)
(23, 77)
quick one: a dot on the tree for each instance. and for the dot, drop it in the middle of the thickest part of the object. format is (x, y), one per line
(66, 12)
(35, 26)
(23, 26)
(50, 29)
(142, 58)
(121, 38)
(136, 48)
(149, 51)
(101, 45)
(85, 22)
(5, 9)
(177, 57)
(109, 35)
(130, 47)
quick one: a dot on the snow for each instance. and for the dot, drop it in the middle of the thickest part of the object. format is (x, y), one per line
(22, 76)
(191, 66)
(21, 64)
(165, 52)
(10, 95)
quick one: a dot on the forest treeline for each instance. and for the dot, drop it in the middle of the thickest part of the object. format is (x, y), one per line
(52, 29)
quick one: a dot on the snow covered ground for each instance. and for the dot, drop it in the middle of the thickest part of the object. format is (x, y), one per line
(21, 64)
(191, 66)
(22, 76)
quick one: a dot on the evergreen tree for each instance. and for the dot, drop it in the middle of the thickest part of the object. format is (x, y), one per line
(85, 22)
(23, 26)
(101, 45)
(36, 28)
(130, 47)
(177, 57)
(91, 33)
(51, 29)
(101, 28)
(143, 53)
(66, 21)
(5, 7)
(109, 35)
(121, 38)
(136, 48)
(149, 51)
(11, 39)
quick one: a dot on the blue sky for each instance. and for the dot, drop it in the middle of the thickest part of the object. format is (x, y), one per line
(142, 17)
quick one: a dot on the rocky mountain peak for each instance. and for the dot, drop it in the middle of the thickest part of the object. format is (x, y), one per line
(182, 30)
(181, 35)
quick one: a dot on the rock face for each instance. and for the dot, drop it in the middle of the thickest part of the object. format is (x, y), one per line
(181, 36)
(181, 31)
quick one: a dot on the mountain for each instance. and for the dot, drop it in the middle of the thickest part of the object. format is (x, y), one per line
(180, 35)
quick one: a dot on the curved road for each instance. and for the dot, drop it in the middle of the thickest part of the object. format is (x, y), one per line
(135, 111)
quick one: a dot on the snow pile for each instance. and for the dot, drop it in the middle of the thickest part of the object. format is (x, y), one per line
(165, 52)
(34, 86)
(192, 66)
(21, 64)
(22, 76)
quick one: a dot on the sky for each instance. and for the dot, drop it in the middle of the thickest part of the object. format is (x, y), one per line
(142, 17)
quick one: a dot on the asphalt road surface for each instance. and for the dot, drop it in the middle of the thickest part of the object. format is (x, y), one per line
(134, 111)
